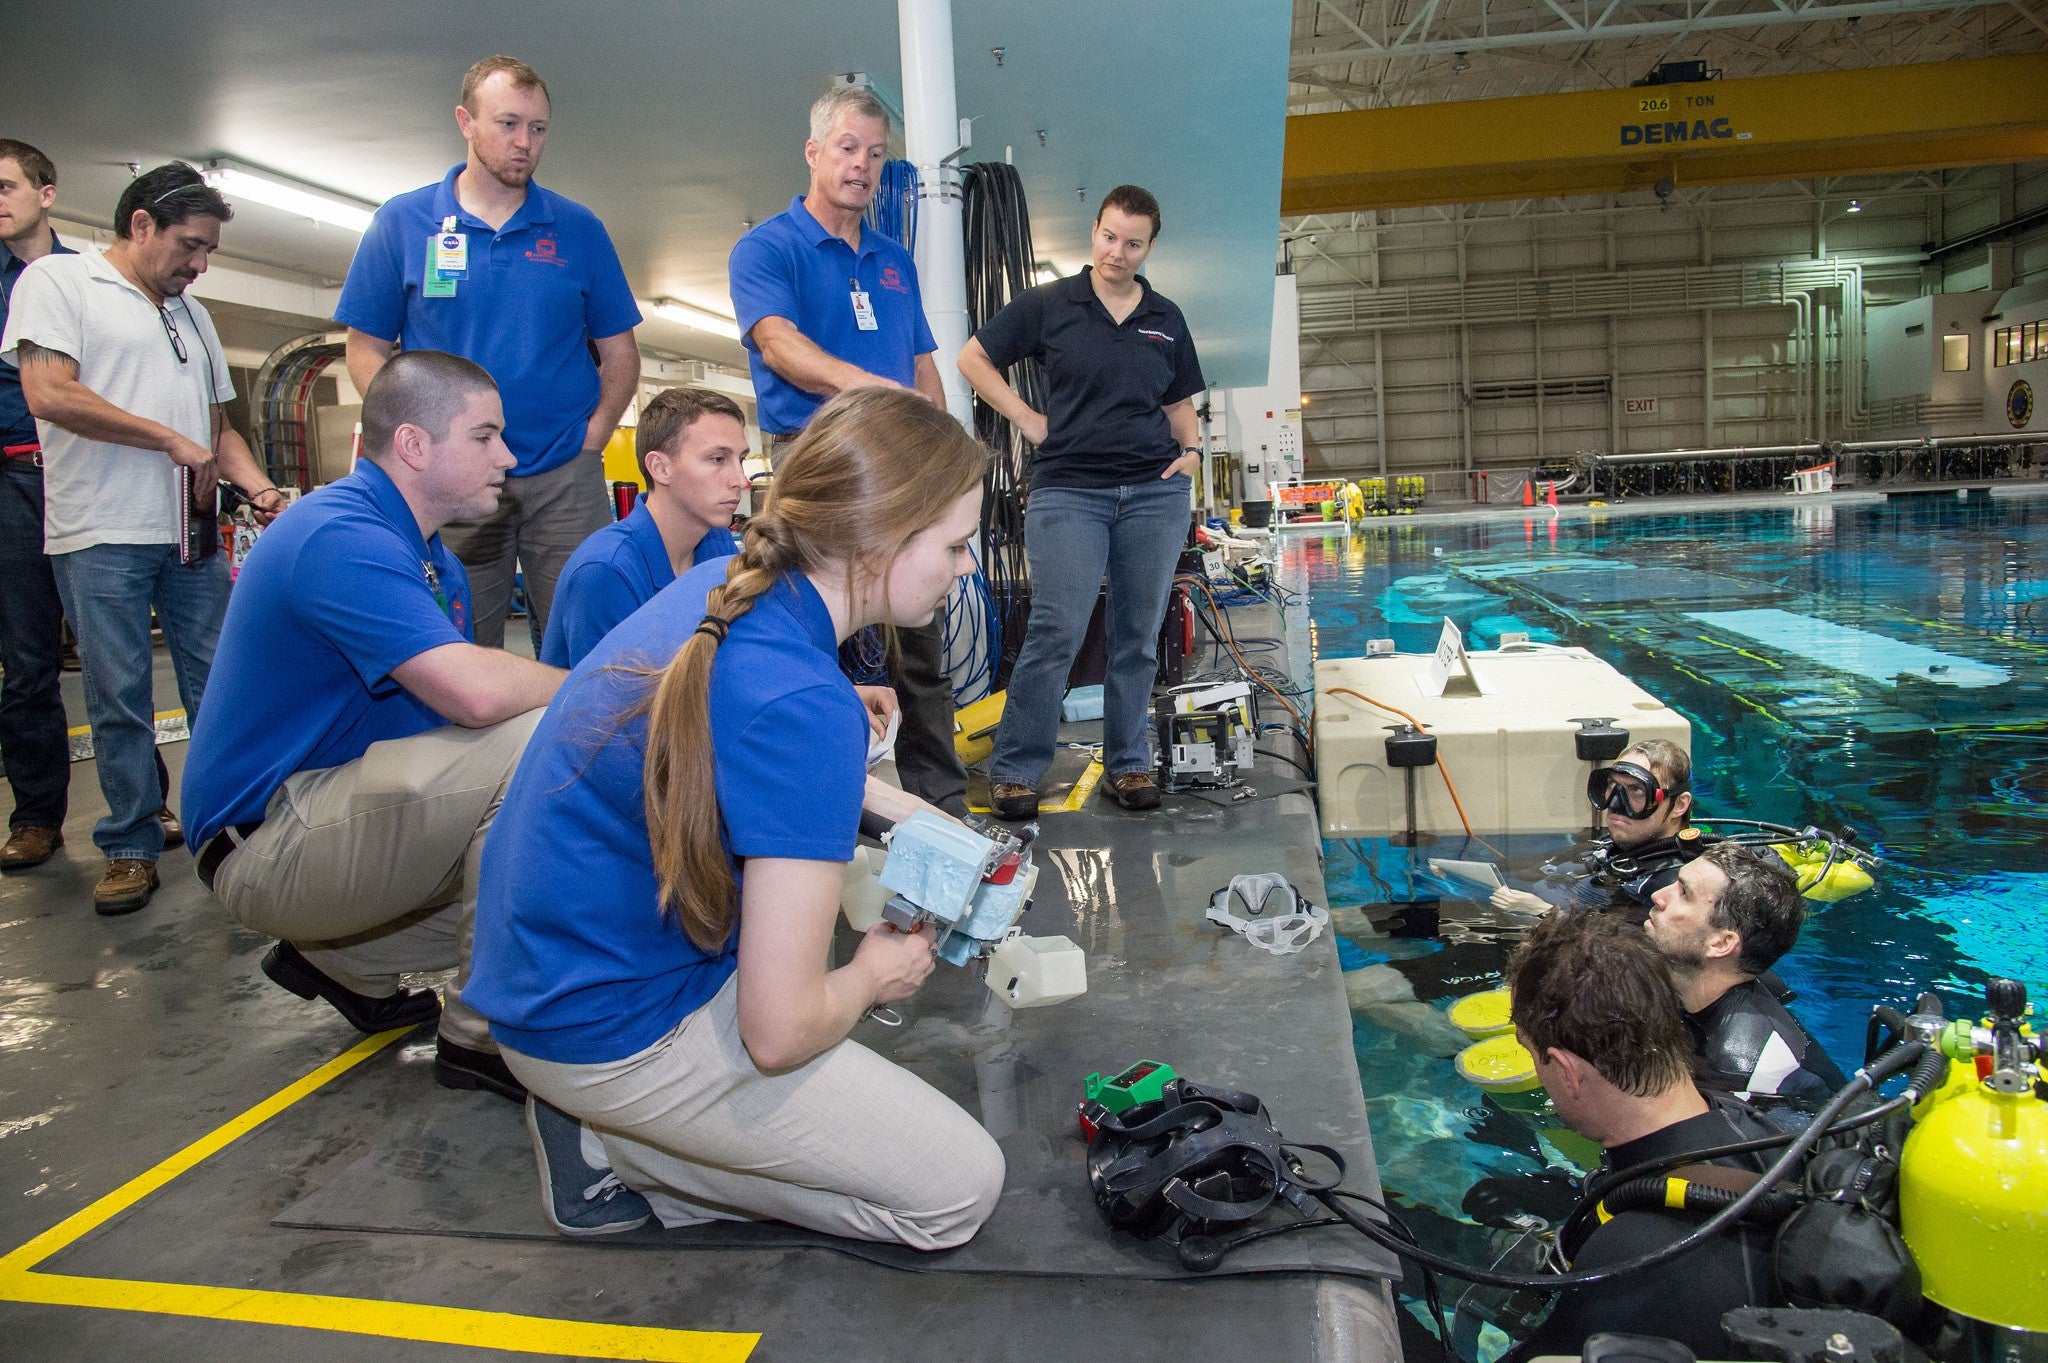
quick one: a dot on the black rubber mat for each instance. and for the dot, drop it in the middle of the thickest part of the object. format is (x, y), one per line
(1164, 984)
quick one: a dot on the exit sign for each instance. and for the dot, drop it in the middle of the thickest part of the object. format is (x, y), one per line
(1638, 406)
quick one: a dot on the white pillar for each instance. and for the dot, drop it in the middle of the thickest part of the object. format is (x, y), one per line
(931, 131)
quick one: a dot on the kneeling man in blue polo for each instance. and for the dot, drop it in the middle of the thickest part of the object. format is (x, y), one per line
(340, 786)
(692, 446)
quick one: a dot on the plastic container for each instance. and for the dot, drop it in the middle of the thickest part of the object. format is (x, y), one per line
(1037, 972)
(1083, 702)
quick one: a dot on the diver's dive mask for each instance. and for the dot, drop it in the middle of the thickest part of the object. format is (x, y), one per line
(1627, 789)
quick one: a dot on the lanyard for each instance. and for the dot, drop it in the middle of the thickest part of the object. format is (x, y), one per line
(434, 586)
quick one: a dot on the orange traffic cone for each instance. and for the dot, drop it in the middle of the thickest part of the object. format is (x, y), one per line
(1550, 494)
(1528, 494)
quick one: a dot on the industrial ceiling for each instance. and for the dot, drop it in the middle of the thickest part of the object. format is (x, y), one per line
(680, 122)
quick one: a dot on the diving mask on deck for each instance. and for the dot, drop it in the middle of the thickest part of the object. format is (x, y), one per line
(1626, 789)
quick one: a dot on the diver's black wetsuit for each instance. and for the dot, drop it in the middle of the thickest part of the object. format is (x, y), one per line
(1685, 1298)
(1619, 882)
(1750, 1045)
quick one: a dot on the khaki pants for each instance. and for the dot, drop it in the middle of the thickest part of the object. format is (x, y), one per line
(370, 868)
(848, 1143)
(539, 522)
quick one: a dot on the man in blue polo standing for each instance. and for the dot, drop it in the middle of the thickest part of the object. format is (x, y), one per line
(825, 305)
(492, 267)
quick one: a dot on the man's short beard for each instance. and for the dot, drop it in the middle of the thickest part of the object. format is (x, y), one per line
(1689, 960)
(25, 233)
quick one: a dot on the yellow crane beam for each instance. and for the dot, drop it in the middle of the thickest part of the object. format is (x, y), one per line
(1875, 121)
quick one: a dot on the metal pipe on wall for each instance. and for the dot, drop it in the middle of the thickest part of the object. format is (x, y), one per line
(1828, 450)
(931, 137)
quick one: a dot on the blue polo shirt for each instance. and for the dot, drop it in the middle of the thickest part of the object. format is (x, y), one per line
(536, 293)
(335, 595)
(791, 267)
(574, 961)
(1107, 383)
(612, 574)
(17, 424)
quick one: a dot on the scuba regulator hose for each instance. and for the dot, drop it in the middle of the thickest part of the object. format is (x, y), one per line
(1930, 1068)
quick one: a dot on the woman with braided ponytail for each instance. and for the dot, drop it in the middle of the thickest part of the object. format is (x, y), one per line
(660, 889)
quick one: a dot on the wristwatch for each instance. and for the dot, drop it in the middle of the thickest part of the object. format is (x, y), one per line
(1191, 449)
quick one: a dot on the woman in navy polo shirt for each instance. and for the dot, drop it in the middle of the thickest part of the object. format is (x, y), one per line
(1109, 493)
(654, 961)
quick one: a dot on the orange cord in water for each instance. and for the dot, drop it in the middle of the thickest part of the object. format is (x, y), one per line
(1442, 770)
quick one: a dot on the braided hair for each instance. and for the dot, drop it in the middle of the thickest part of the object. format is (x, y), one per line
(874, 468)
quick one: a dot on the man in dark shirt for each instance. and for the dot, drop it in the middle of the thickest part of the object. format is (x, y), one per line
(1732, 912)
(32, 738)
(1594, 1004)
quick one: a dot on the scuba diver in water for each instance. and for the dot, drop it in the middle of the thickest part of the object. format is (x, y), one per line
(1724, 922)
(1647, 796)
(1595, 1006)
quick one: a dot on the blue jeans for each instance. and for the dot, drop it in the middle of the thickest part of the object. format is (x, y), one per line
(1075, 535)
(34, 748)
(108, 591)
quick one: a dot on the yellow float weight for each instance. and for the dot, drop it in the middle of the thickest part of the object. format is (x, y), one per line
(1840, 881)
(1498, 1064)
(1482, 1015)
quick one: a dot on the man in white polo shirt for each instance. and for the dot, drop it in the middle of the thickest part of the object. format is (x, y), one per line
(126, 378)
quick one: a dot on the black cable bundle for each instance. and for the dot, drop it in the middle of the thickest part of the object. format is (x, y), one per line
(1000, 265)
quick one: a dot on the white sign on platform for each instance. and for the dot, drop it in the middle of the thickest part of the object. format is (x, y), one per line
(1450, 663)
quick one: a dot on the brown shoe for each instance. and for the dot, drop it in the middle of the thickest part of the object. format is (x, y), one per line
(174, 831)
(125, 887)
(1134, 790)
(1013, 802)
(30, 846)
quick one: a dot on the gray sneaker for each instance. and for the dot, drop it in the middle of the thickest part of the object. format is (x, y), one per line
(579, 1193)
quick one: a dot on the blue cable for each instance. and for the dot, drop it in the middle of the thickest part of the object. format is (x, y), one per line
(893, 211)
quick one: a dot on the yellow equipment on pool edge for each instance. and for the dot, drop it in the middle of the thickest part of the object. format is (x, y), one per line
(974, 728)
(1482, 1015)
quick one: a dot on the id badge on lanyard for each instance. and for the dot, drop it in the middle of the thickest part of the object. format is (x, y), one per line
(863, 310)
(447, 259)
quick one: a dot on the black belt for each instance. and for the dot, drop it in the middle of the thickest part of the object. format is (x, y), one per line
(216, 850)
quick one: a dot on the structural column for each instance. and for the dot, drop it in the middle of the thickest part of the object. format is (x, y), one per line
(931, 134)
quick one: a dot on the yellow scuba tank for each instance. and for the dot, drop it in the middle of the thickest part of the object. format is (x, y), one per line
(1838, 881)
(1973, 1177)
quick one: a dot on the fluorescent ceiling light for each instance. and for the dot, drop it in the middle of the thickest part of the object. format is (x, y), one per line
(702, 319)
(240, 182)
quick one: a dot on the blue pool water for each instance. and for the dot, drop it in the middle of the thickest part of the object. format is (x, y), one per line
(1880, 668)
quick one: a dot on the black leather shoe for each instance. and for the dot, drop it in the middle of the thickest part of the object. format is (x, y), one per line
(459, 1067)
(407, 1008)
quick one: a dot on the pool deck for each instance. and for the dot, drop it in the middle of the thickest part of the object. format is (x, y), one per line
(161, 1102)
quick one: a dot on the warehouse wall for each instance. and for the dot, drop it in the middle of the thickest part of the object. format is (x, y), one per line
(1491, 336)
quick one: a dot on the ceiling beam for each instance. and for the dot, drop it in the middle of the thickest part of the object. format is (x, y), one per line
(1555, 24)
(1877, 120)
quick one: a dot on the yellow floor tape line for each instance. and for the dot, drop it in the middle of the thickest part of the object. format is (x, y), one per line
(349, 1315)
(1083, 788)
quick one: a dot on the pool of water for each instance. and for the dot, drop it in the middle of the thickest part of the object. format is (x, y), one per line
(1875, 667)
